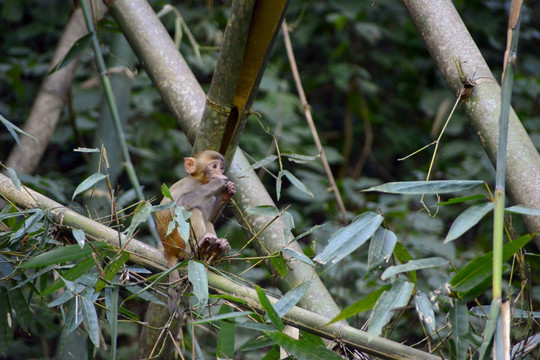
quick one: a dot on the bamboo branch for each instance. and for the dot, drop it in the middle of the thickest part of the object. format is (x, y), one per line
(309, 119)
(153, 258)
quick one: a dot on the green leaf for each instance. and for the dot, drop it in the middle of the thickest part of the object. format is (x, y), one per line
(297, 183)
(20, 305)
(525, 210)
(291, 298)
(14, 178)
(413, 265)
(111, 270)
(459, 319)
(300, 159)
(490, 328)
(254, 326)
(367, 303)
(142, 213)
(88, 183)
(459, 200)
(13, 130)
(74, 273)
(78, 234)
(76, 49)
(397, 297)
(111, 302)
(403, 256)
(262, 163)
(472, 280)
(6, 322)
(306, 233)
(424, 308)
(166, 192)
(63, 254)
(426, 187)
(278, 185)
(303, 349)
(299, 256)
(265, 210)
(380, 248)
(270, 311)
(227, 331)
(346, 240)
(197, 277)
(279, 264)
(467, 220)
(225, 316)
(90, 319)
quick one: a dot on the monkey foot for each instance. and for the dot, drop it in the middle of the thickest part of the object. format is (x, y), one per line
(210, 244)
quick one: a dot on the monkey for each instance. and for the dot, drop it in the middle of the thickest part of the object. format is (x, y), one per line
(203, 192)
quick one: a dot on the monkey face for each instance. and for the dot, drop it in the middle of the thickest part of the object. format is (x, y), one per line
(214, 169)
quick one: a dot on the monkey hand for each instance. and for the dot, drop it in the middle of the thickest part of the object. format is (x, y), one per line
(229, 191)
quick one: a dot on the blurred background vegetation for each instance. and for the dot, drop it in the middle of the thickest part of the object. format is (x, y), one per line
(376, 96)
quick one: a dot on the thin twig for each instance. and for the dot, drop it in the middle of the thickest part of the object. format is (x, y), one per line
(309, 118)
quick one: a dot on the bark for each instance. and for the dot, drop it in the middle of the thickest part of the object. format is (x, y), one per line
(148, 37)
(51, 98)
(448, 42)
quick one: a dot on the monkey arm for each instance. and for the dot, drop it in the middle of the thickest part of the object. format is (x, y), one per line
(201, 196)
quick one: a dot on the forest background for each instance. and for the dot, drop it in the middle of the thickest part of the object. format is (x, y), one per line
(376, 96)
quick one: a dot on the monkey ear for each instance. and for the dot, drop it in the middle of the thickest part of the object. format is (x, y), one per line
(190, 165)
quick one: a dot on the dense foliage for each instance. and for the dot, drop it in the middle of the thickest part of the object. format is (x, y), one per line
(376, 96)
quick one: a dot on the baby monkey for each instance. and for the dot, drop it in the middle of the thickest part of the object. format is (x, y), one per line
(203, 192)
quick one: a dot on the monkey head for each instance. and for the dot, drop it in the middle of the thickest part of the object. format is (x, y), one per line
(206, 166)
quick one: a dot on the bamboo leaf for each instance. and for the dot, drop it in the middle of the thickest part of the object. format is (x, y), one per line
(270, 311)
(463, 199)
(264, 210)
(291, 298)
(76, 49)
(367, 303)
(380, 248)
(459, 319)
(278, 185)
(424, 308)
(471, 280)
(413, 265)
(397, 297)
(14, 178)
(88, 183)
(226, 316)
(349, 238)
(467, 220)
(142, 213)
(297, 255)
(79, 236)
(426, 187)
(6, 322)
(227, 332)
(166, 192)
(90, 319)
(197, 277)
(525, 210)
(303, 349)
(262, 163)
(63, 254)
(20, 305)
(297, 183)
(301, 159)
(490, 328)
(13, 130)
